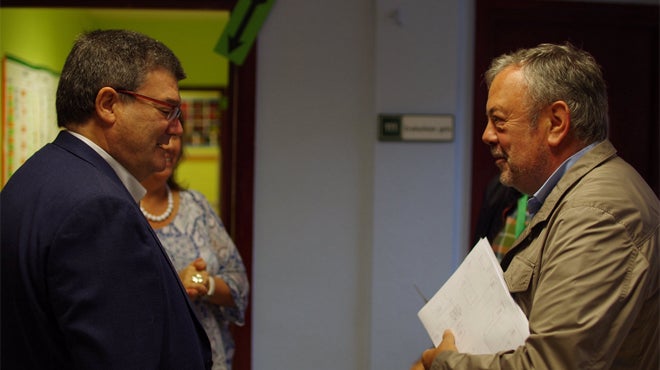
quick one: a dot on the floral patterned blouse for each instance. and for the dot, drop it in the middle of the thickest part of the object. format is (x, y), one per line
(197, 231)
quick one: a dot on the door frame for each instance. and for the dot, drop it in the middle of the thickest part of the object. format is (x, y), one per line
(237, 142)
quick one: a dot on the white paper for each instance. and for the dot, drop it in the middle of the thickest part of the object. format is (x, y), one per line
(476, 306)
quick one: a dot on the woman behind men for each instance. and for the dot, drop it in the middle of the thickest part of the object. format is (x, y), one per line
(209, 265)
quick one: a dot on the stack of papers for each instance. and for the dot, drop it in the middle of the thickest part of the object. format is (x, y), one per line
(476, 306)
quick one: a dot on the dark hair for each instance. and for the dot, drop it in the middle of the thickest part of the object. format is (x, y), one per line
(175, 185)
(562, 72)
(171, 181)
(114, 58)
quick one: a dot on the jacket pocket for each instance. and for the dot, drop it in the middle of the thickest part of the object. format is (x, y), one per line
(518, 275)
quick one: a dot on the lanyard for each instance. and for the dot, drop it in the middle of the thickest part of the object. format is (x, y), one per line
(521, 214)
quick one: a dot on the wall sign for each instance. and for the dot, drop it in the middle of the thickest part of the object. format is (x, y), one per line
(416, 127)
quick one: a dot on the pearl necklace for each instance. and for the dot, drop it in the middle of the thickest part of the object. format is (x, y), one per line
(166, 214)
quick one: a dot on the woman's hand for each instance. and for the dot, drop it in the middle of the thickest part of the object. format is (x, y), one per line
(195, 279)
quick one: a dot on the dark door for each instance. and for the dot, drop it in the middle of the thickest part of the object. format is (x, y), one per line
(624, 41)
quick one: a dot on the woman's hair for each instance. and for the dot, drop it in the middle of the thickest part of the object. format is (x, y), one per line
(566, 73)
(171, 181)
(174, 185)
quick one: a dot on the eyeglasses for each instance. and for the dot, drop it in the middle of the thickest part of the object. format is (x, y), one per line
(173, 114)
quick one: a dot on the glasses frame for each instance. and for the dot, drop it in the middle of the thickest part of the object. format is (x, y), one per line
(171, 116)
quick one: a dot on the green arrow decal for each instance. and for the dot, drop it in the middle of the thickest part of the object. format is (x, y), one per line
(241, 31)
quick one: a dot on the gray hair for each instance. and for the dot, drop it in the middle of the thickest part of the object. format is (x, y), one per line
(108, 58)
(566, 73)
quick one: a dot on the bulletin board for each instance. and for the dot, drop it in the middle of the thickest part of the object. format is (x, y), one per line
(204, 113)
(29, 119)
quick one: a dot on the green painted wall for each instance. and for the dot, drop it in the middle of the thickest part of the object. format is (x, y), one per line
(192, 35)
(43, 37)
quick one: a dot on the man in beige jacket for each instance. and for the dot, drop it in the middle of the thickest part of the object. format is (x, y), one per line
(585, 270)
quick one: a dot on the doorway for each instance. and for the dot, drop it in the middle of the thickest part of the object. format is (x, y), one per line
(236, 141)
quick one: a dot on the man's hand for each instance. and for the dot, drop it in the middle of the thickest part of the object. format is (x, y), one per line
(417, 366)
(447, 344)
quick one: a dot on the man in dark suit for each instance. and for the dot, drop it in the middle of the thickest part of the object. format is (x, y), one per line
(85, 281)
(497, 202)
(500, 219)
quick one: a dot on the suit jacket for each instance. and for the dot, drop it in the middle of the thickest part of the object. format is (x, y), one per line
(585, 273)
(85, 281)
(498, 200)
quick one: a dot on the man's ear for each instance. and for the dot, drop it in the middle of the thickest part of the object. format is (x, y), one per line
(106, 104)
(560, 122)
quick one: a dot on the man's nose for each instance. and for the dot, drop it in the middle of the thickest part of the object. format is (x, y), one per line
(175, 128)
(489, 136)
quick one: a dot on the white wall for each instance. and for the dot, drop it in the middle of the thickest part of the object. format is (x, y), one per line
(345, 225)
(419, 188)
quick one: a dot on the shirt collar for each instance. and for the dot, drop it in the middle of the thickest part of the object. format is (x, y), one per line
(535, 202)
(130, 182)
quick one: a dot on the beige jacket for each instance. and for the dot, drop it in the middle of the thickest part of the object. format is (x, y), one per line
(585, 272)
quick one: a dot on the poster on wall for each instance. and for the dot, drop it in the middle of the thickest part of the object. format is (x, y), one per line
(204, 111)
(202, 115)
(29, 119)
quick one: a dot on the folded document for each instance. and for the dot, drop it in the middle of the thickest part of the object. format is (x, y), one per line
(475, 304)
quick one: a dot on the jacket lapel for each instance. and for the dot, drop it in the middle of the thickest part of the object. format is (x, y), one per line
(599, 154)
(78, 148)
